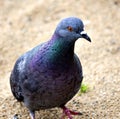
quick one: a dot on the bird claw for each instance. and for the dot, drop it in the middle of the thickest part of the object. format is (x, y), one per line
(68, 113)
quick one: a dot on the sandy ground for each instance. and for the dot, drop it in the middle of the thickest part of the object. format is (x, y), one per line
(26, 23)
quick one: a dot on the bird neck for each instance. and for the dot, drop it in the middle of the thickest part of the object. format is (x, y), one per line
(62, 46)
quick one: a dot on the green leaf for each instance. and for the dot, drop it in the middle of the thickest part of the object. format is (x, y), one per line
(84, 88)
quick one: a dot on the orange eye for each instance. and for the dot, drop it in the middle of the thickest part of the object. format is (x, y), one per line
(70, 28)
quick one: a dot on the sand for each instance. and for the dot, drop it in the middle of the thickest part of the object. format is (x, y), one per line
(26, 23)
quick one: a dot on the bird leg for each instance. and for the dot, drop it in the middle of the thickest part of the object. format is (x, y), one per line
(68, 113)
(32, 114)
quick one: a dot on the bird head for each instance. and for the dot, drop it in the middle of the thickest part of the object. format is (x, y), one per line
(71, 29)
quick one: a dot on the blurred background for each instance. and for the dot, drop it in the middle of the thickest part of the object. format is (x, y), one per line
(26, 23)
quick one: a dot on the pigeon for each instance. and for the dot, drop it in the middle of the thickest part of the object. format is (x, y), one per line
(50, 74)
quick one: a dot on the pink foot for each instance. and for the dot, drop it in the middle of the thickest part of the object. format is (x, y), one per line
(68, 113)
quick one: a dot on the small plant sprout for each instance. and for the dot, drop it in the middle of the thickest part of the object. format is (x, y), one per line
(84, 89)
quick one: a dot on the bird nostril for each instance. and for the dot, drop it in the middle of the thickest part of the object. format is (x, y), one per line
(83, 32)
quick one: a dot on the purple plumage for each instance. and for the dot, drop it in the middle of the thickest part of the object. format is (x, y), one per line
(50, 74)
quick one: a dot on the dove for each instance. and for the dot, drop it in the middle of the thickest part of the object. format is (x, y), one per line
(50, 74)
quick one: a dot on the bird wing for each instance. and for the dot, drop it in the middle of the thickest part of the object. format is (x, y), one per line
(18, 74)
(15, 82)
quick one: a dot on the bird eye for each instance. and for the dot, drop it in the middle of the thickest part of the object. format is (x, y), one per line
(70, 28)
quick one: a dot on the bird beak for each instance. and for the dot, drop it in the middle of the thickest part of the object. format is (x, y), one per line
(84, 35)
